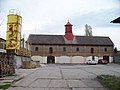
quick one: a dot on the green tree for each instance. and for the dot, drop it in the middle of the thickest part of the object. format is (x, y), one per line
(115, 50)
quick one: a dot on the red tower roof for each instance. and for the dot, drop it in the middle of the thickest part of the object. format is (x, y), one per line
(68, 31)
(68, 24)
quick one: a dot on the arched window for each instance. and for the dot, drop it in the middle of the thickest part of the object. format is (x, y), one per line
(50, 50)
(105, 49)
(77, 49)
(64, 49)
(36, 48)
(92, 50)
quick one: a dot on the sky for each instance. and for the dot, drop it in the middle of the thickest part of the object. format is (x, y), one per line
(50, 16)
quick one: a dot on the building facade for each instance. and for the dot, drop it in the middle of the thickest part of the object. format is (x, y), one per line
(2, 45)
(70, 48)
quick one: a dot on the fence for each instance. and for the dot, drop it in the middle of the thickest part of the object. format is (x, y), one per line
(116, 59)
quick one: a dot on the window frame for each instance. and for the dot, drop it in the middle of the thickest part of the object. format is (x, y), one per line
(105, 50)
(36, 49)
(77, 49)
(50, 49)
(64, 49)
(92, 50)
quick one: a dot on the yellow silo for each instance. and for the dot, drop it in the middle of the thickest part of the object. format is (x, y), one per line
(13, 32)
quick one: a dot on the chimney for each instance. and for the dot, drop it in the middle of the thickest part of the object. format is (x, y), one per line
(68, 31)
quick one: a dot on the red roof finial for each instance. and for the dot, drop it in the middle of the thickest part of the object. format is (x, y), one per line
(68, 23)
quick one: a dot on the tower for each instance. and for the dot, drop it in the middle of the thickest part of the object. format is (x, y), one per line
(68, 31)
(13, 32)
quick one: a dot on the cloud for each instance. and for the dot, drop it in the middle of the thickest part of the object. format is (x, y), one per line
(99, 18)
(49, 17)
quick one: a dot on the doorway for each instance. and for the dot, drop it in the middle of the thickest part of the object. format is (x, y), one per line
(50, 59)
(106, 58)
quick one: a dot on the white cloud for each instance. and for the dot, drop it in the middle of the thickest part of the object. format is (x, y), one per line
(50, 16)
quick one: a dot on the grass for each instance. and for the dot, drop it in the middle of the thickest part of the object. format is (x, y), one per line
(12, 75)
(109, 81)
(5, 86)
(19, 79)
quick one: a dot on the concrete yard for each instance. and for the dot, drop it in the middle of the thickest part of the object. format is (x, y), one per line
(65, 77)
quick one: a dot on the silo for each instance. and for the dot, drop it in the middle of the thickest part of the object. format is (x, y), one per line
(13, 32)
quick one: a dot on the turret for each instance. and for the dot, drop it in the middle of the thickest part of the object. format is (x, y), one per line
(68, 31)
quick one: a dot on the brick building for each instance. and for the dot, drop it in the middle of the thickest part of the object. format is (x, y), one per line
(70, 48)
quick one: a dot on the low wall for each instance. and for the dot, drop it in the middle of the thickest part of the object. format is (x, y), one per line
(68, 59)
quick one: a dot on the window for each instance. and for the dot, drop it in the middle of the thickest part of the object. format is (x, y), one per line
(105, 49)
(50, 50)
(92, 50)
(77, 49)
(36, 48)
(64, 49)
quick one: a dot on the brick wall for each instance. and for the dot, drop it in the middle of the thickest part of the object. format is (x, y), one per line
(43, 50)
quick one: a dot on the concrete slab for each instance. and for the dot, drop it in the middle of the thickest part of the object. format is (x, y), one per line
(83, 89)
(30, 88)
(76, 74)
(101, 89)
(40, 83)
(59, 89)
(76, 83)
(92, 83)
(58, 83)
(64, 77)
(27, 88)
(6, 81)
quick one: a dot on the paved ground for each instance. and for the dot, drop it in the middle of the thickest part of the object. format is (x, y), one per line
(65, 77)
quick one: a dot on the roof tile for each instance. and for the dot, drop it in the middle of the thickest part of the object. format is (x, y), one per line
(59, 39)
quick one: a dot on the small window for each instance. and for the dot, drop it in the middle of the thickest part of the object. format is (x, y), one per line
(64, 49)
(92, 50)
(5, 46)
(77, 49)
(50, 50)
(36, 48)
(105, 49)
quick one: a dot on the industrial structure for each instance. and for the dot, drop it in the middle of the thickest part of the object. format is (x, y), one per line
(70, 48)
(14, 51)
(14, 43)
(13, 32)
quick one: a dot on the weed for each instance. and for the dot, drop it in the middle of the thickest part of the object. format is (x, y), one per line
(109, 81)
